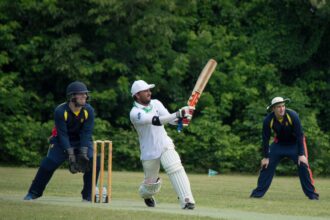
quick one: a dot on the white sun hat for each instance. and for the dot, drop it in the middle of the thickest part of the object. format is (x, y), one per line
(277, 100)
(140, 85)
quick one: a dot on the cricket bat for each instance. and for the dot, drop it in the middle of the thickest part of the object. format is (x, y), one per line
(202, 80)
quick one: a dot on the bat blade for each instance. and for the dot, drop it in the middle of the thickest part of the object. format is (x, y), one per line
(202, 80)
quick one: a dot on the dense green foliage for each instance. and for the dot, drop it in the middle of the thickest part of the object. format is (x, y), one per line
(263, 48)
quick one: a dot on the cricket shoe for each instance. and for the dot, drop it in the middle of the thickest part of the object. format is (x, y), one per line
(256, 196)
(314, 197)
(86, 199)
(189, 206)
(150, 202)
(30, 196)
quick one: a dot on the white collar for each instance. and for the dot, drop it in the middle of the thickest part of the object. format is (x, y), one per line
(143, 107)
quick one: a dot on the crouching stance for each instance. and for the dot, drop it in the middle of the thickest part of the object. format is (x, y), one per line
(148, 117)
(289, 141)
(71, 140)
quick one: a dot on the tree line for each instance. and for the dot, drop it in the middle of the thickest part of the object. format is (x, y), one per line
(263, 49)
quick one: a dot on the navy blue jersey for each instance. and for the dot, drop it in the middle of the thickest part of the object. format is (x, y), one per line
(287, 132)
(74, 130)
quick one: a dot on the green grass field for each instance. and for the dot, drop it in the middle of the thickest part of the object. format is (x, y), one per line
(217, 197)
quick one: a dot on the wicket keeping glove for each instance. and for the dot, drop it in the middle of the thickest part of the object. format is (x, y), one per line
(83, 160)
(72, 160)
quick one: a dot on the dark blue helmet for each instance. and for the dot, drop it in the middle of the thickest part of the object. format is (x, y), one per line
(76, 87)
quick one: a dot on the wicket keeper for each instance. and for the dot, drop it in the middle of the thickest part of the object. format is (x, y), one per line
(149, 117)
(71, 140)
(289, 141)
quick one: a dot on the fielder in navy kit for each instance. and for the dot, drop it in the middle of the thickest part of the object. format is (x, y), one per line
(289, 141)
(71, 139)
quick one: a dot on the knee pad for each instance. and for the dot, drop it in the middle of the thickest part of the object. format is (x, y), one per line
(171, 161)
(148, 189)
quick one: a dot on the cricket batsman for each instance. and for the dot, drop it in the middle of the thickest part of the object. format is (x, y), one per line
(71, 140)
(149, 117)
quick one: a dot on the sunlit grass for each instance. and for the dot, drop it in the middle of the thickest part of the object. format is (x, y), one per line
(229, 192)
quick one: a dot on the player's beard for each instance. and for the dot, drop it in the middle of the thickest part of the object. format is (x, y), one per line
(145, 102)
(144, 99)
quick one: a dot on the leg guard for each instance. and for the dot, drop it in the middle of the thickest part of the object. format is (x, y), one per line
(172, 164)
(152, 183)
(149, 188)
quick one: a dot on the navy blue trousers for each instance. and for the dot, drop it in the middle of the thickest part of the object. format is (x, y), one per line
(55, 158)
(276, 154)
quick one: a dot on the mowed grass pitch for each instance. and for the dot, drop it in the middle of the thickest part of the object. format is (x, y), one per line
(220, 197)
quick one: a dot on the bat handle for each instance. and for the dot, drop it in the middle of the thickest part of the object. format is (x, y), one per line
(180, 125)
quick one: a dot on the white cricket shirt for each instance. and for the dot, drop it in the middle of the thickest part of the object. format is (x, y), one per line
(153, 139)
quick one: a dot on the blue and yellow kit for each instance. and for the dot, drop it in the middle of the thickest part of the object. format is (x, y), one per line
(287, 131)
(289, 141)
(73, 129)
